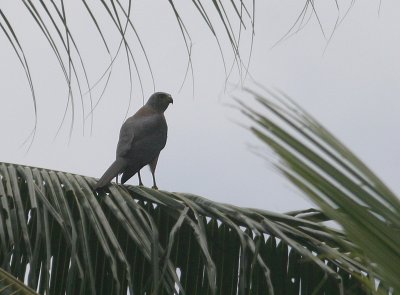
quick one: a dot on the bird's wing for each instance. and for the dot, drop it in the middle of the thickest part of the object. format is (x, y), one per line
(126, 135)
(132, 128)
(136, 129)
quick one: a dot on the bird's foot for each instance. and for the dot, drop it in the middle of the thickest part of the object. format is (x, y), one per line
(154, 187)
(101, 191)
(141, 184)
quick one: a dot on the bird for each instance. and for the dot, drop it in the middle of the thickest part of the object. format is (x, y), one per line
(141, 139)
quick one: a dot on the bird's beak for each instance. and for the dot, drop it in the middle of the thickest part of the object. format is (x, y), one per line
(170, 100)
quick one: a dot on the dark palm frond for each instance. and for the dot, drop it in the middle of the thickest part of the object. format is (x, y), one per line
(61, 237)
(335, 179)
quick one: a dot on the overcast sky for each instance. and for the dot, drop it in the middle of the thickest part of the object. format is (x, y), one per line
(351, 86)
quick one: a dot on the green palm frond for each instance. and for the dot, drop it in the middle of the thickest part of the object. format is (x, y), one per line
(9, 285)
(61, 237)
(335, 179)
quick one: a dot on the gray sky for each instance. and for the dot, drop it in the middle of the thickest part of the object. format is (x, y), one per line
(351, 87)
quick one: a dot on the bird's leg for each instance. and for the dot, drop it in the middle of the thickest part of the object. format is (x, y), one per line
(154, 182)
(140, 179)
(116, 179)
(153, 166)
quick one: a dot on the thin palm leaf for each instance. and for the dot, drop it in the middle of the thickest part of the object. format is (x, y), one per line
(226, 21)
(335, 179)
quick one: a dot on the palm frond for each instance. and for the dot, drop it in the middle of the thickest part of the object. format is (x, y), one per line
(9, 285)
(345, 189)
(226, 20)
(54, 22)
(59, 236)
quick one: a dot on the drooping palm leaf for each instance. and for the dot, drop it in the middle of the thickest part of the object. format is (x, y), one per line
(226, 20)
(335, 179)
(53, 19)
(59, 236)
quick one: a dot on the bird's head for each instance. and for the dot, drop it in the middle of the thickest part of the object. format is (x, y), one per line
(160, 101)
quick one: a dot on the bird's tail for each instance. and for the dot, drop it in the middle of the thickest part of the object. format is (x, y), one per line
(117, 167)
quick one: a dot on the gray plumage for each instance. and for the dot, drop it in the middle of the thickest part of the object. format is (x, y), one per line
(141, 139)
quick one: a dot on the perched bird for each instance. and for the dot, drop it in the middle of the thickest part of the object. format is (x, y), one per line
(141, 139)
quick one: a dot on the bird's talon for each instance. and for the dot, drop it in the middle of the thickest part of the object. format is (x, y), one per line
(154, 187)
